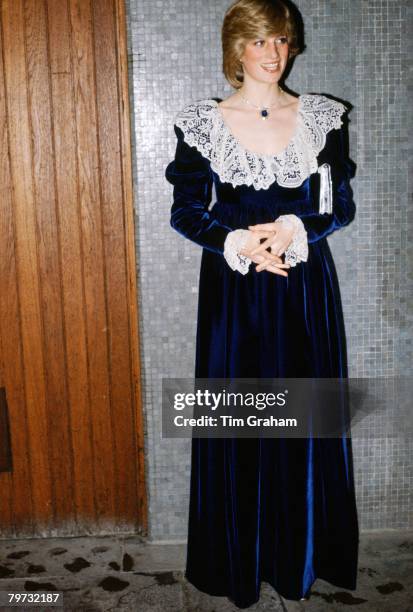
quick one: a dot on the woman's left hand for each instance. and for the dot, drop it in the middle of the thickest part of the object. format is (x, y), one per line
(279, 237)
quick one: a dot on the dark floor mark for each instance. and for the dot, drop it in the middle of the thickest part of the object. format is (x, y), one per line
(111, 583)
(367, 570)
(29, 585)
(99, 549)
(18, 554)
(340, 597)
(390, 587)
(161, 578)
(78, 564)
(127, 563)
(114, 565)
(165, 578)
(5, 572)
(406, 544)
(57, 551)
(36, 569)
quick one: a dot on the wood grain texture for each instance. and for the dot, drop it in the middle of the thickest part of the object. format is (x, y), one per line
(27, 263)
(68, 329)
(15, 491)
(132, 289)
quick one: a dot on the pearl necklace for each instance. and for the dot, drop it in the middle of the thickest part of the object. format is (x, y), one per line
(263, 109)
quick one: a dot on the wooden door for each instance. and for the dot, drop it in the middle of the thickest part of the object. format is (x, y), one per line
(69, 360)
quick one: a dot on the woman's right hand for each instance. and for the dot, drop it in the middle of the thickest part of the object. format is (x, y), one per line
(273, 263)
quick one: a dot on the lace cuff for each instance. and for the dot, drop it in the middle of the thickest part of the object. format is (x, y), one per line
(234, 243)
(297, 250)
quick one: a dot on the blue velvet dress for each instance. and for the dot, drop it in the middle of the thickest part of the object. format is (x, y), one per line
(276, 510)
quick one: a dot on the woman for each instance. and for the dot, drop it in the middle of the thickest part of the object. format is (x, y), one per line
(278, 510)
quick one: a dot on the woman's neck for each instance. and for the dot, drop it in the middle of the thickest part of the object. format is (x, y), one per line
(261, 94)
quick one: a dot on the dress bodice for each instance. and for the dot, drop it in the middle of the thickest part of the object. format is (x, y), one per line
(204, 128)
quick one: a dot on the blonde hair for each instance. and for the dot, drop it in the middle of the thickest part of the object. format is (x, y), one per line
(250, 19)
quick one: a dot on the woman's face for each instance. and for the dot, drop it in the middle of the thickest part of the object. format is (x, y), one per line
(265, 59)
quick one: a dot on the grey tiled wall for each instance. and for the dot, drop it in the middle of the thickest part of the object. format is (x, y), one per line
(356, 51)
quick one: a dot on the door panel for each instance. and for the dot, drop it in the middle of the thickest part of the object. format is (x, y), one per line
(68, 327)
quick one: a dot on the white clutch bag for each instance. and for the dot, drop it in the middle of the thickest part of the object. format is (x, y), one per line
(326, 190)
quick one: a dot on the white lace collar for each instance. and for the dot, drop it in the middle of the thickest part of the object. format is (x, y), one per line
(204, 128)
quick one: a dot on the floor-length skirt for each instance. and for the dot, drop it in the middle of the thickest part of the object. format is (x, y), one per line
(277, 510)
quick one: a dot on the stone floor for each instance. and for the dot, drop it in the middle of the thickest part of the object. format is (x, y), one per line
(112, 573)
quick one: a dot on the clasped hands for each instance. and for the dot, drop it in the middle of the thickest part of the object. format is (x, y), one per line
(277, 236)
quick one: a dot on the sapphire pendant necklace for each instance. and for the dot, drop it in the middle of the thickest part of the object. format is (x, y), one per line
(263, 109)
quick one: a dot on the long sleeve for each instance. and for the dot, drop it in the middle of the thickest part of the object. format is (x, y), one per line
(319, 225)
(191, 177)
